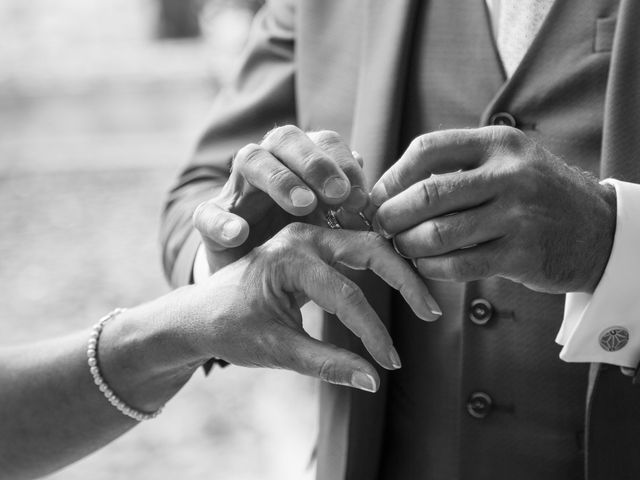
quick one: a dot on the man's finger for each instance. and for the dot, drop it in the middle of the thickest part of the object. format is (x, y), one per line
(448, 233)
(435, 196)
(295, 150)
(309, 356)
(266, 173)
(331, 143)
(219, 228)
(368, 250)
(467, 265)
(436, 152)
(338, 295)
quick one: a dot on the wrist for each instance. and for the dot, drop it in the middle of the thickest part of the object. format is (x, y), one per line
(143, 358)
(604, 235)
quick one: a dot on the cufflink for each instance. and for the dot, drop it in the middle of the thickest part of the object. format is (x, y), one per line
(614, 339)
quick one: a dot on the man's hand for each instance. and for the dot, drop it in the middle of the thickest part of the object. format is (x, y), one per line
(514, 211)
(249, 312)
(290, 176)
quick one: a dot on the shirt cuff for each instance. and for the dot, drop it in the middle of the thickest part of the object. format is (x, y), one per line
(614, 307)
(201, 269)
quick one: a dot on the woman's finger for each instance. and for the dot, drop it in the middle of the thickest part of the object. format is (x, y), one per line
(338, 295)
(368, 250)
(327, 362)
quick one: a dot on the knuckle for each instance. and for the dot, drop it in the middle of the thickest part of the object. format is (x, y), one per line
(432, 141)
(351, 293)
(291, 229)
(374, 240)
(394, 179)
(422, 143)
(328, 371)
(197, 213)
(327, 138)
(274, 250)
(437, 234)
(430, 190)
(299, 231)
(508, 138)
(279, 177)
(281, 135)
(314, 159)
(376, 244)
(247, 154)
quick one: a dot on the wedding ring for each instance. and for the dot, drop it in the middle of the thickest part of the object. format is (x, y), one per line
(331, 217)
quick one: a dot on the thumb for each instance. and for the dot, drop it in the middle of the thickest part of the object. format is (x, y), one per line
(220, 229)
(331, 364)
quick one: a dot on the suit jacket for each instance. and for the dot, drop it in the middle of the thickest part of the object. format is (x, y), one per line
(342, 65)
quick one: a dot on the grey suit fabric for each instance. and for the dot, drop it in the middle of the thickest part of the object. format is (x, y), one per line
(344, 65)
(455, 77)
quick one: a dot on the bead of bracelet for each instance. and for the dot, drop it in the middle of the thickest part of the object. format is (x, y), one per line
(94, 369)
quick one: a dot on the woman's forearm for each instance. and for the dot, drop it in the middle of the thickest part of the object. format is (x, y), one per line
(52, 413)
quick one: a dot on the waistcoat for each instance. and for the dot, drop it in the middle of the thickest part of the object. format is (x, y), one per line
(482, 393)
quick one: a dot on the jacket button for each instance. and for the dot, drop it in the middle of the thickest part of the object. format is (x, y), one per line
(479, 405)
(503, 118)
(480, 311)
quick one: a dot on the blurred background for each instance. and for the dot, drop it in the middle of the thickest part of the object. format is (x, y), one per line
(100, 105)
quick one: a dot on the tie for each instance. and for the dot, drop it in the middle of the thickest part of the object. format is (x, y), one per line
(518, 22)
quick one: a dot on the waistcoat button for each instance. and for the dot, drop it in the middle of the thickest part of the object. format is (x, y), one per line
(480, 311)
(479, 405)
(503, 118)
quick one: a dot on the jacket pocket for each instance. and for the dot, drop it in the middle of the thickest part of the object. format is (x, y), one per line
(605, 30)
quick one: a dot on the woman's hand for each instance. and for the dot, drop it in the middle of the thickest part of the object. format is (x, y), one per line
(249, 312)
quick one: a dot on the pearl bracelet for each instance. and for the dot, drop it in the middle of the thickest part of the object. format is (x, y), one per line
(92, 348)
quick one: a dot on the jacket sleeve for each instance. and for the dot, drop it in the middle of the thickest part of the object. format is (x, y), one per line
(260, 95)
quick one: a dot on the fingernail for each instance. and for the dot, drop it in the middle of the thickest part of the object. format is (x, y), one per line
(335, 187)
(394, 358)
(433, 306)
(378, 228)
(379, 194)
(395, 247)
(231, 229)
(357, 195)
(363, 381)
(301, 197)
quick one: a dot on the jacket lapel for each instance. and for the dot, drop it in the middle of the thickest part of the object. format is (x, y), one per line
(621, 142)
(351, 424)
(380, 97)
(613, 415)
(388, 30)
